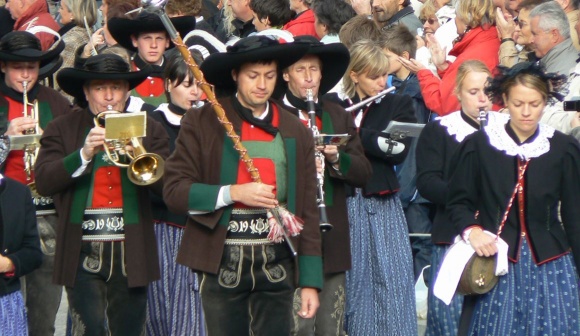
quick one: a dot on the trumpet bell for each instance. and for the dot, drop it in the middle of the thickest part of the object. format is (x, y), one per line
(146, 169)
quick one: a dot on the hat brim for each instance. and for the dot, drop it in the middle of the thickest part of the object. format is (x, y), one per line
(72, 80)
(49, 69)
(334, 58)
(33, 55)
(122, 29)
(217, 68)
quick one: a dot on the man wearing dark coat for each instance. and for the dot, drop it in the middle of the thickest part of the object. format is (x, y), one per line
(319, 71)
(248, 272)
(105, 252)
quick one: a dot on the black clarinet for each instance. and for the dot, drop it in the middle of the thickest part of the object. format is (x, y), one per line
(482, 118)
(324, 224)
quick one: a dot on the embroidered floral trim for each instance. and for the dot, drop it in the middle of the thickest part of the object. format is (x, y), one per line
(500, 140)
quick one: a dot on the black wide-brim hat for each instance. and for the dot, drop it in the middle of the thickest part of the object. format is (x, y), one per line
(217, 68)
(30, 51)
(99, 67)
(121, 29)
(49, 69)
(334, 58)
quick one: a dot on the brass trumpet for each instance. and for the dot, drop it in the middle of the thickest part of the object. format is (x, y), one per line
(122, 140)
(30, 149)
(29, 142)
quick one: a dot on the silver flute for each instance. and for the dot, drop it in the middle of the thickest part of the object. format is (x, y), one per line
(369, 99)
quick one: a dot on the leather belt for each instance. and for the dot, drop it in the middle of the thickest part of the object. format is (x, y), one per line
(248, 227)
(103, 224)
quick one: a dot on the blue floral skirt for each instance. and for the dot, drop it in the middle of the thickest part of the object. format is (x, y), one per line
(13, 315)
(380, 293)
(531, 300)
(173, 302)
(442, 319)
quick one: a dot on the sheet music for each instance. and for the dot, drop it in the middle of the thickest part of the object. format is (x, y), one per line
(400, 130)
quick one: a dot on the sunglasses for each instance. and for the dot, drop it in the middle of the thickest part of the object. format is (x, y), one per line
(430, 21)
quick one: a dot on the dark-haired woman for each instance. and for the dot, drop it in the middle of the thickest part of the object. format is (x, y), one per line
(537, 168)
(173, 302)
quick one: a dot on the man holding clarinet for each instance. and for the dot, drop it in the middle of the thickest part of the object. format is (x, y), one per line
(311, 77)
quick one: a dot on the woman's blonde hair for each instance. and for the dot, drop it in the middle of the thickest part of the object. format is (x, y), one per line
(365, 57)
(428, 10)
(476, 13)
(467, 67)
(81, 9)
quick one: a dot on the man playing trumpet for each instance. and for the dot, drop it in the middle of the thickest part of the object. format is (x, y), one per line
(319, 70)
(27, 107)
(106, 252)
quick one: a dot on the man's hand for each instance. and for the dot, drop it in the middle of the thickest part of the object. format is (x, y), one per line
(310, 303)
(330, 152)
(254, 194)
(94, 140)
(18, 125)
(482, 243)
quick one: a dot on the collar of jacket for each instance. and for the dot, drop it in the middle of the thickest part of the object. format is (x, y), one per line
(400, 14)
(38, 7)
(478, 34)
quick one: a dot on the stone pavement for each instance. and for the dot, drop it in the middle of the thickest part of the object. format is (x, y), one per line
(61, 319)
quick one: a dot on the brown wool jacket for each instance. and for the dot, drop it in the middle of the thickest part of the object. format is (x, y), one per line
(61, 141)
(204, 160)
(355, 170)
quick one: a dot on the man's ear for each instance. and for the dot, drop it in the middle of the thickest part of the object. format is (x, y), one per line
(406, 55)
(86, 90)
(285, 76)
(235, 75)
(134, 40)
(556, 36)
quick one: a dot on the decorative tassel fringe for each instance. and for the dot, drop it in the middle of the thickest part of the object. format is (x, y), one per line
(293, 224)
